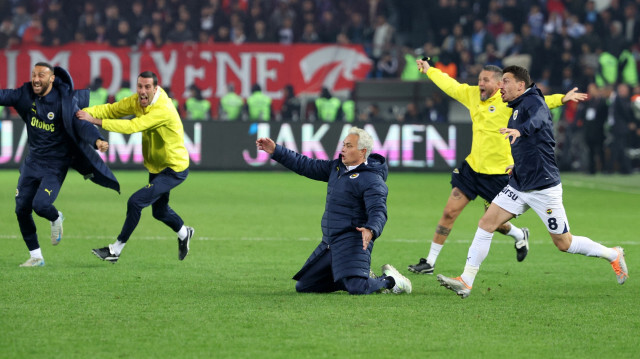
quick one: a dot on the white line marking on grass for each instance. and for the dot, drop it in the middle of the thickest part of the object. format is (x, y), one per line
(601, 186)
(307, 239)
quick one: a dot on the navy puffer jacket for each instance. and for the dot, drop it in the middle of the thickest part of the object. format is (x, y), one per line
(356, 198)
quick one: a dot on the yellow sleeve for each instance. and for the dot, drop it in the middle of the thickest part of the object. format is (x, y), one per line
(154, 119)
(462, 93)
(554, 101)
(122, 108)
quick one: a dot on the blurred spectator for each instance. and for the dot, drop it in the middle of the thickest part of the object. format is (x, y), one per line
(327, 106)
(123, 36)
(513, 12)
(387, 66)
(495, 24)
(467, 70)
(446, 64)
(456, 36)
(291, 108)
(574, 28)
(328, 27)
(435, 109)
(356, 30)
(204, 37)
(411, 114)
(480, 38)
(256, 13)
(98, 95)
(615, 42)
(382, 37)
(620, 123)
(54, 10)
(490, 56)
(32, 35)
(309, 34)
(7, 33)
(111, 18)
(180, 33)
(237, 35)
(280, 14)
(223, 35)
(371, 114)
(231, 105)
(138, 17)
(593, 114)
(211, 17)
(124, 92)
(197, 107)
(184, 15)
(101, 34)
(535, 19)
(54, 34)
(342, 39)
(631, 23)
(591, 15)
(154, 38)
(21, 18)
(553, 25)
(410, 71)
(260, 33)
(286, 35)
(258, 105)
(506, 39)
(348, 108)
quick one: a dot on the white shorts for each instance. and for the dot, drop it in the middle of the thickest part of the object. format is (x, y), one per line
(547, 203)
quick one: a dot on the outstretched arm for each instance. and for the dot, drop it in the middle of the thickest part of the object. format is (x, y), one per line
(574, 95)
(85, 116)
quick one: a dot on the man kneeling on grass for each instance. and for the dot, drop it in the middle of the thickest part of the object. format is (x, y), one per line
(354, 216)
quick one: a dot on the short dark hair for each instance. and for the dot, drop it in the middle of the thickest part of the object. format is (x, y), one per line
(44, 64)
(497, 72)
(150, 75)
(520, 74)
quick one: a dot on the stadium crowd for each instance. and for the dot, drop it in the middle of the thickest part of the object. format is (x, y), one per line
(591, 44)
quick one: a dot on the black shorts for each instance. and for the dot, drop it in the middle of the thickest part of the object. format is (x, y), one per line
(474, 184)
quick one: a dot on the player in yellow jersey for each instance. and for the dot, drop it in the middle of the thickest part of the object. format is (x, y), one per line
(165, 157)
(484, 172)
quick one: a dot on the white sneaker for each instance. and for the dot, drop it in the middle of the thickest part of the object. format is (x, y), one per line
(403, 284)
(620, 266)
(457, 285)
(56, 229)
(33, 262)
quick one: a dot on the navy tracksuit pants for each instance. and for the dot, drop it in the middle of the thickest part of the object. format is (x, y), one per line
(318, 278)
(38, 187)
(156, 195)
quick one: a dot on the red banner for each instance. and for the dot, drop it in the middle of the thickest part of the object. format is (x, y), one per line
(210, 67)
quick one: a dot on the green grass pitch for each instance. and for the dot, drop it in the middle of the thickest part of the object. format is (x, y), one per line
(233, 296)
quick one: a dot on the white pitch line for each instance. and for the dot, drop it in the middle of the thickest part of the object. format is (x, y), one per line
(307, 239)
(601, 186)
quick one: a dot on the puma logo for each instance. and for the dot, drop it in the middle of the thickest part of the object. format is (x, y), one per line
(48, 191)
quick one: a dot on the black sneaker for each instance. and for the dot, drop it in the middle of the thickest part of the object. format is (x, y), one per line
(106, 254)
(421, 268)
(522, 247)
(183, 244)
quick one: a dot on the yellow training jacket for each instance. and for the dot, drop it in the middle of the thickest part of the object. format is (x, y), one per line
(490, 151)
(160, 124)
